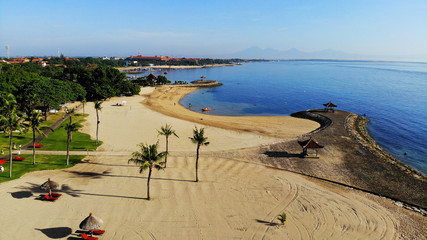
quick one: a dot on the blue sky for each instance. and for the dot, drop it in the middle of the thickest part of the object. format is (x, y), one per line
(197, 28)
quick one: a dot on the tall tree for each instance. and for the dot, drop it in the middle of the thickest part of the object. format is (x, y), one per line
(70, 112)
(83, 104)
(70, 128)
(10, 121)
(98, 107)
(34, 122)
(199, 139)
(148, 158)
(167, 131)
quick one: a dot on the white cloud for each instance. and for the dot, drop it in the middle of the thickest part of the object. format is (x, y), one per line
(283, 29)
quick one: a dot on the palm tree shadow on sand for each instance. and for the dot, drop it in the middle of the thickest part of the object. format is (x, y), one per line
(58, 232)
(271, 224)
(277, 154)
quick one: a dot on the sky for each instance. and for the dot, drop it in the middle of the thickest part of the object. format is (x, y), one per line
(201, 28)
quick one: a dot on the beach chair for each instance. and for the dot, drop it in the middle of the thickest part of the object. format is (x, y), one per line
(38, 145)
(85, 236)
(18, 158)
(56, 195)
(49, 198)
(98, 232)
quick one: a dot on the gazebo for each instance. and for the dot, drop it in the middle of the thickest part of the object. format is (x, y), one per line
(329, 106)
(309, 144)
(152, 78)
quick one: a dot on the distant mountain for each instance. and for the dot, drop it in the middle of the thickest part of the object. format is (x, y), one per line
(293, 53)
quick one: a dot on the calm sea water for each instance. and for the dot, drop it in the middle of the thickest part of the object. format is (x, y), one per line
(393, 95)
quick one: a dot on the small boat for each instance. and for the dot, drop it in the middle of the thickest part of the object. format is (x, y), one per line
(206, 109)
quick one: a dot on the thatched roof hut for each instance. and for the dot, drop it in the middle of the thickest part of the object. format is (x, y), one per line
(329, 106)
(309, 144)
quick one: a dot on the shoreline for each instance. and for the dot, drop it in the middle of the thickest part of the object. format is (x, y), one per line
(177, 66)
(165, 99)
(377, 172)
(237, 197)
(356, 126)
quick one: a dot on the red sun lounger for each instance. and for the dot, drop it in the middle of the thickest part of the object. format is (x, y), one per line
(49, 198)
(85, 236)
(18, 158)
(38, 145)
(56, 195)
(98, 232)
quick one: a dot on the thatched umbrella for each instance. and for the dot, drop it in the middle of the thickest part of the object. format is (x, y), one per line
(329, 106)
(310, 143)
(91, 223)
(49, 185)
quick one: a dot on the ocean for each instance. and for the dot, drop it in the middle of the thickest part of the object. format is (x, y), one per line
(393, 95)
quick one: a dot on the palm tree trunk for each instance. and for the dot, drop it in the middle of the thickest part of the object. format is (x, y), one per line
(197, 163)
(34, 146)
(148, 184)
(10, 152)
(167, 152)
(97, 125)
(68, 148)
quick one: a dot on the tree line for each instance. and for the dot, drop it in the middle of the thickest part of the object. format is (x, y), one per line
(45, 88)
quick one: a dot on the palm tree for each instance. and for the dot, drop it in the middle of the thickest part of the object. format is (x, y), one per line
(148, 157)
(83, 104)
(282, 218)
(70, 112)
(10, 121)
(199, 139)
(167, 131)
(97, 108)
(70, 128)
(34, 122)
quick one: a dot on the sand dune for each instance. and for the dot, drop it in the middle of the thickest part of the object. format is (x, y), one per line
(233, 200)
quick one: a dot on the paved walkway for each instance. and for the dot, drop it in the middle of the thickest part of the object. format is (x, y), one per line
(40, 137)
(89, 153)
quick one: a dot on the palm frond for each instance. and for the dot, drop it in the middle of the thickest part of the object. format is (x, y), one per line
(148, 156)
(198, 136)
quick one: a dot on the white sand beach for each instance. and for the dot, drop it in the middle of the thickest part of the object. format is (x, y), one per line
(235, 199)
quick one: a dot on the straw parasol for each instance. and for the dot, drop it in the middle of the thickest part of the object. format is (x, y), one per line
(329, 106)
(91, 223)
(309, 144)
(49, 185)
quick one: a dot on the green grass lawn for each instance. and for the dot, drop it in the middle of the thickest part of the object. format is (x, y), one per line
(43, 162)
(25, 138)
(57, 140)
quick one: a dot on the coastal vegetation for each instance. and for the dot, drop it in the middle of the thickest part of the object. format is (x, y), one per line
(35, 124)
(98, 108)
(151, 80)
(45, 88)
(199, 139)
(148, 158)
(11, 121)
(56, 141)
(167, 131)
(70, 128)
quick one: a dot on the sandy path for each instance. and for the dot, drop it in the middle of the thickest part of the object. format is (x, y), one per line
(233, 200)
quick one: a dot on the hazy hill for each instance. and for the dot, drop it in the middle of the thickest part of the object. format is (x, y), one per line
(293, 53)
